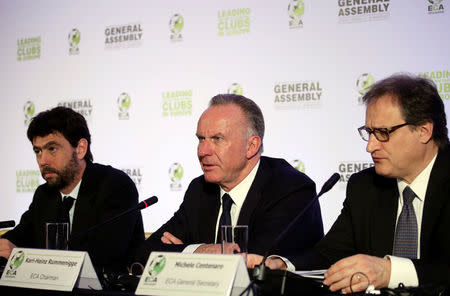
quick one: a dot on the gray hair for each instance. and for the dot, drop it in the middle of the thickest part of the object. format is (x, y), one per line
(252, 113)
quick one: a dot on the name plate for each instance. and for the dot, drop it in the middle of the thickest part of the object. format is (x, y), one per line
(193, 274)
(49, 270)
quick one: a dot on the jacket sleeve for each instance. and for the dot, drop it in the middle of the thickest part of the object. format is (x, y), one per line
(23, 235)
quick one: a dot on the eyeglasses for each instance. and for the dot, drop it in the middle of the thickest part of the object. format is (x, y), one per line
(382, 133)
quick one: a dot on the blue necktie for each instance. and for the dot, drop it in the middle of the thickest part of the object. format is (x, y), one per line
(225, 218)
(405, 242)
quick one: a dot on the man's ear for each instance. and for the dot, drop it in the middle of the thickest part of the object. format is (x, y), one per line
(253, 145)
(425, 132)
(82, 148)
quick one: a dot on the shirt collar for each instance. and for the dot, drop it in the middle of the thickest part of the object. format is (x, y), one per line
(74, 193)
(239, 192)
(420, 183)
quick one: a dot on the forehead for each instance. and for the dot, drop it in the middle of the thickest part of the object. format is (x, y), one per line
(383, 112)
(221, 116)
(53, 137)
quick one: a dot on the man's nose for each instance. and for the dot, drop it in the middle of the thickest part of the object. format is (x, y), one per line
(204, 148)
(42, 159)
(372, 144)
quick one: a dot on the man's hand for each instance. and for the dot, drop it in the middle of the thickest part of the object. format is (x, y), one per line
(209, 248)
(368, 270)
(6, 247)
(170, 239)
(230, 248)
(271, 262)
(253, 260)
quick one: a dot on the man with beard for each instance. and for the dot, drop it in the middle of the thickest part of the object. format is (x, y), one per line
(77, 191)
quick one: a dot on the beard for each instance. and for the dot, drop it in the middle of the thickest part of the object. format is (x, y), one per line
(65, 176)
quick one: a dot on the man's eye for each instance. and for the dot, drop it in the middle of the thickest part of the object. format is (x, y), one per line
(381, 131)
(52, 149)
(218, 138)
(36, 151)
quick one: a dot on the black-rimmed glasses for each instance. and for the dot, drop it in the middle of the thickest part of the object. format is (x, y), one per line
(381, 133)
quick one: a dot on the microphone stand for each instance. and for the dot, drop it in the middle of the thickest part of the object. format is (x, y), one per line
(260, 271)
(142, 205)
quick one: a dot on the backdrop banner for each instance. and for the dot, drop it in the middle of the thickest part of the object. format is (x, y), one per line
(142, 72)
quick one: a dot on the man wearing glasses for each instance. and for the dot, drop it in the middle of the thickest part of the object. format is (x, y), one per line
(394, 225)
(396, 216)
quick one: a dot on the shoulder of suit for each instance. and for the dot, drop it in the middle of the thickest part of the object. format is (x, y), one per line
(370, 177)
(44, 188)
(199, 183)
(369, 172)
(44, 192)
(106, 172)
(366, 174)
(282, 170)
(444, 154)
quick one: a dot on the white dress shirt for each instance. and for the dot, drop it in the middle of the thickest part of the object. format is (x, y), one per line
(402, 269)
(238, 195)
(74, 195)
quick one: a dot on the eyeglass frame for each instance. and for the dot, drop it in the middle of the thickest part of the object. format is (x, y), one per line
(380, 130)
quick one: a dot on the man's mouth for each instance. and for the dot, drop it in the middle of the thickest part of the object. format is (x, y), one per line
(207, 166)
(48, 173)
(376, 158)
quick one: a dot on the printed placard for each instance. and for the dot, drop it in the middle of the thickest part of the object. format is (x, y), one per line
(192, 274)
(49, 270)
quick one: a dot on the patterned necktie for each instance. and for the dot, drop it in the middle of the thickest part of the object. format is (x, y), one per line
(405, 242)
(66, 206)
(225, 218)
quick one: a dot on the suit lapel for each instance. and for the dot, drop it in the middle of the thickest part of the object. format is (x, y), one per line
(384, 216)
(48, 212)
(254, 194)
(54, 207)
(209, 209)
(84, 207)
(435, 198)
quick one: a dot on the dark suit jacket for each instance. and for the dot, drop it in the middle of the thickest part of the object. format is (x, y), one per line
(367, 223)
(278, 193)
(104, 193)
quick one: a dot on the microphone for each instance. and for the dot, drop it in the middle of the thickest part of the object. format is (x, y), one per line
(146, 203)
(7, 224)
(142, 205)
(259, 270)
(329, 184)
